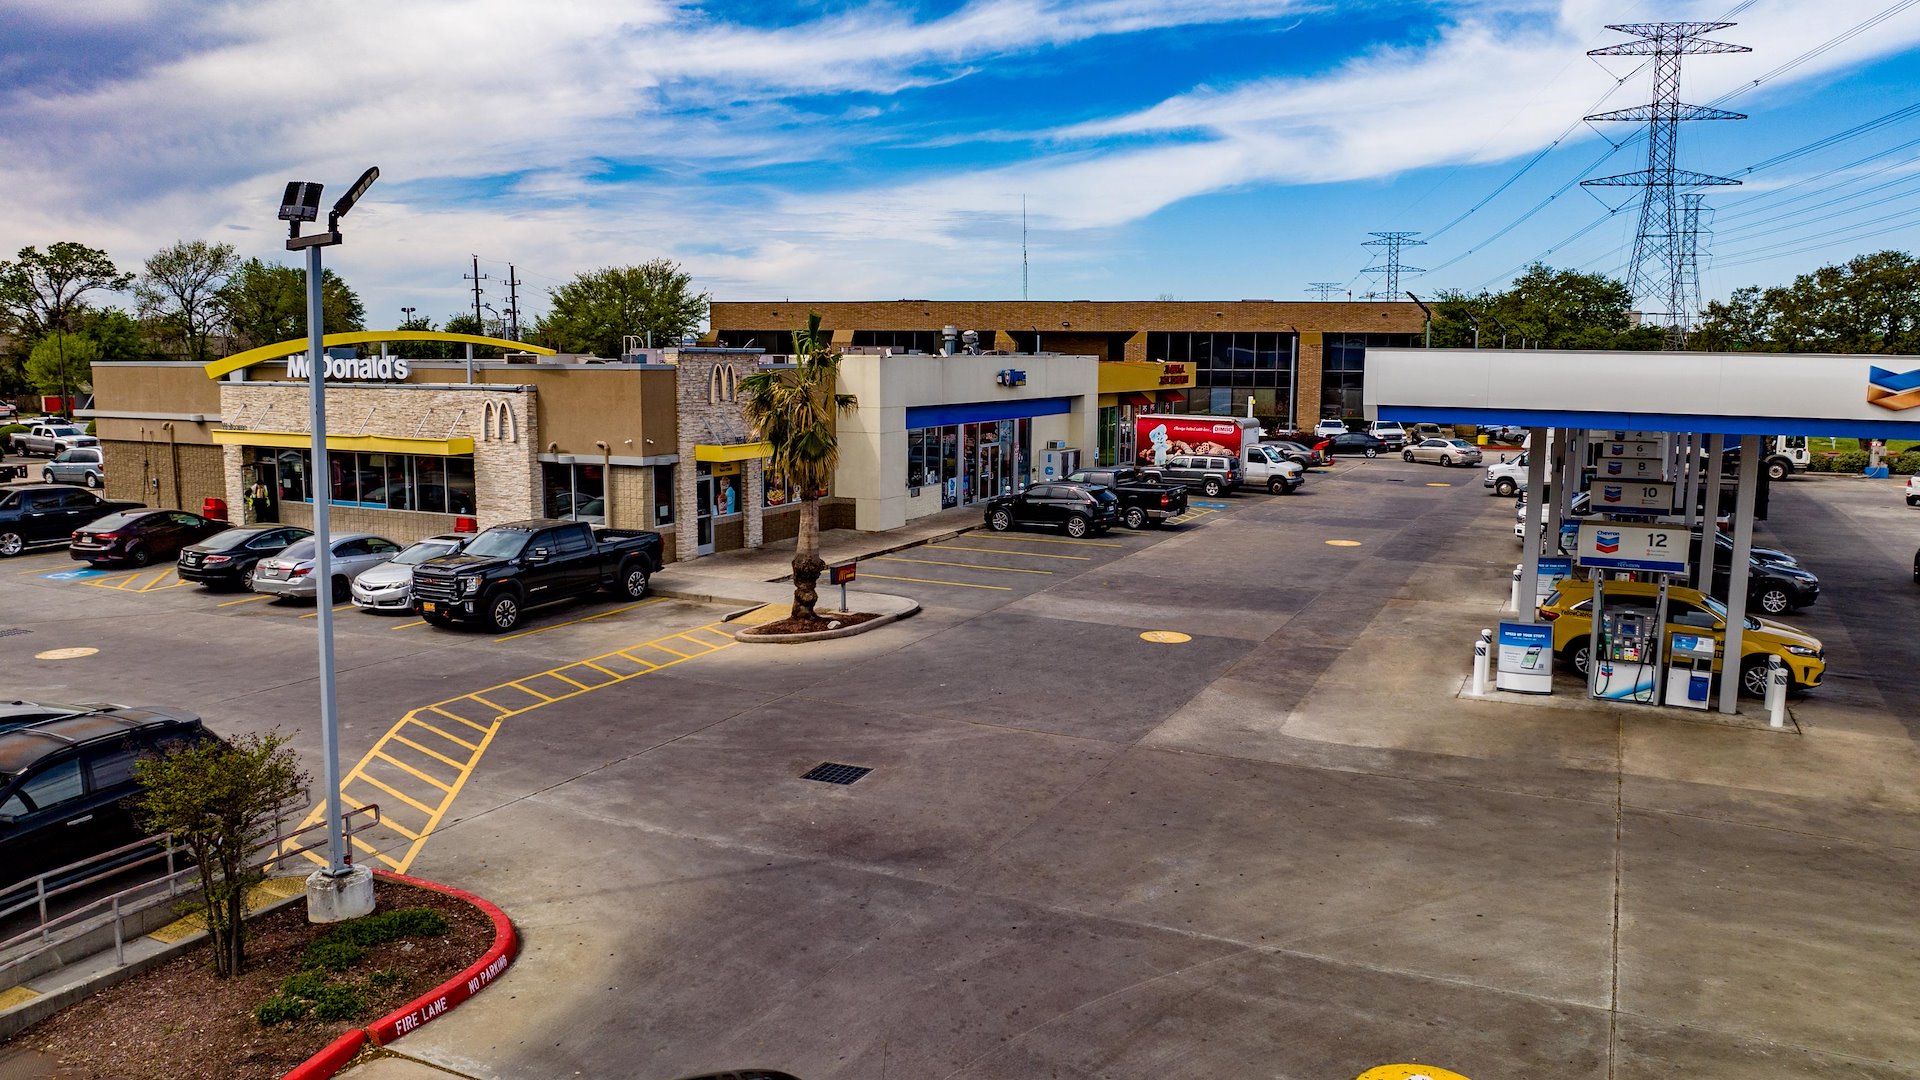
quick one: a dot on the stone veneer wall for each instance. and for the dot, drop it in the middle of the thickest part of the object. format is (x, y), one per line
(702, 420)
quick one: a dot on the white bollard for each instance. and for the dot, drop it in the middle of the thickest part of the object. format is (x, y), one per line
(1513, 594)
(1480, 668)
(1776, 692)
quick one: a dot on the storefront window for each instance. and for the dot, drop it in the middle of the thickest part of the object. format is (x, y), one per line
(574, 491)
(430, 483)
(662, 495)
(726, 494)
(779, 492)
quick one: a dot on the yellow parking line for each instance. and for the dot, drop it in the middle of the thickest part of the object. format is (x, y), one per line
(465, 743)
(589, 618)
(398, 764)
(584, 686)
(1055, 540)
(438, 756)
(1004, 551)
(155, 586)
(549, 697)
(402, 796)
(344, 607)
(970, 566)
(461, 719)
(616, 674)
(263, 596)
(936, 581)
(681, 655)
(423, 622)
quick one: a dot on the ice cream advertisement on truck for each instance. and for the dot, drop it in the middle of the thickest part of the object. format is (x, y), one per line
(1161, 435)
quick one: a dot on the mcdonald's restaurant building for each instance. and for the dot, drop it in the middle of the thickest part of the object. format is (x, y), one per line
(658, 440)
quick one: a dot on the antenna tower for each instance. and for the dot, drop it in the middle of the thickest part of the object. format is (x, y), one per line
(1658, 272)
(1390, 244)
(1324, 290)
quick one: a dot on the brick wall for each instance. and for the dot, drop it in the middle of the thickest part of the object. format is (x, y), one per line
(144, 472)
(782, 524)
(1306, 395)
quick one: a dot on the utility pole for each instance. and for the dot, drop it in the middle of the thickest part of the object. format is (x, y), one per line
(1657, 272)
(1323, 290)
(476, 277)
(1023, 251)
(513, 303)
(1390, 244)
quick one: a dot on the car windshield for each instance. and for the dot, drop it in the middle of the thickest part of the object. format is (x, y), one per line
(424, 550)
(498, 544)
(1461, 443)
(298, 551)
(65, 431)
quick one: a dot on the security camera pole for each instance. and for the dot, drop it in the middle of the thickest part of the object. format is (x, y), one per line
(342, 890)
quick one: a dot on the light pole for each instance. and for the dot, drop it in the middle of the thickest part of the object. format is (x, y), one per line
(341, 890)
(1429, 314)
(408, 312)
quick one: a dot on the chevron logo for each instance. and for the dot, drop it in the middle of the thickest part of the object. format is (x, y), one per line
(1893, 390)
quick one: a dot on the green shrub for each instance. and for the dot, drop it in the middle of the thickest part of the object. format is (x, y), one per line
(1820, 463)
(8, 429)
(386, 977)
(306, 984)
(1906, 463)
(330, 955)
(1850, 461)
(339, 1002)
(279, 1010)
(389, 926)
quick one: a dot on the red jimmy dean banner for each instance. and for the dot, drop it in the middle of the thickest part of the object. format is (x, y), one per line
(1159, 435)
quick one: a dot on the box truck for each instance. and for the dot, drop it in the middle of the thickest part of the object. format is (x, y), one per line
(1161, 435)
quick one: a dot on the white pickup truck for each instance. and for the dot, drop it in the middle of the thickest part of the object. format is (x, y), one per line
(48, 440)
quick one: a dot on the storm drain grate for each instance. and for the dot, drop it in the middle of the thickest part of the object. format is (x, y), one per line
(13, 632)
(832, 772)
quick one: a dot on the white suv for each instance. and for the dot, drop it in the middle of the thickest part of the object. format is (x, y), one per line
(1390, 433)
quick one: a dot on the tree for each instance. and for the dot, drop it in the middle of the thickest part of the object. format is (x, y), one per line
(421, 350)
(43, 292)
(1869, 304)
(217, 800)
(114, 333)
(181, 292)
(467, 324)
(796, 410)
(62, 363)
(1544, 308)
(266, 303)
(594, 311)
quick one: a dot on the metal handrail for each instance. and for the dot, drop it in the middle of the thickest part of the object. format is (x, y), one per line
(120, 906)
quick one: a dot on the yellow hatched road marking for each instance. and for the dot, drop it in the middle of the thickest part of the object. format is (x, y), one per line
(439, 795)
(937, 581)
(967, 565)
(1004, 551)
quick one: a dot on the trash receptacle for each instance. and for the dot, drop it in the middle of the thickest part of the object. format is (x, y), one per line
(465, 524)
(214, 508)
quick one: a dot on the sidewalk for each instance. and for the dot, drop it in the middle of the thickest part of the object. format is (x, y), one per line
(759, 575)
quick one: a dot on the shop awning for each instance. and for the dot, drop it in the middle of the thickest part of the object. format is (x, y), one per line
(1136, 399)
(1171, 397)
(751, 451)
(370, 444)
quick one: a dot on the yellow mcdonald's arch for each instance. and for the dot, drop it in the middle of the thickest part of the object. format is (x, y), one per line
(360, 337)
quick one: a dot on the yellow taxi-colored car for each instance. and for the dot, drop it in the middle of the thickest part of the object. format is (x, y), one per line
(1570, 609)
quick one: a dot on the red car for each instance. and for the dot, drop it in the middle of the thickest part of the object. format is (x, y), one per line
(141, 537)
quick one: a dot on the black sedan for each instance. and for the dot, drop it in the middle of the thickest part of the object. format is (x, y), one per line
(1075, 509)
(226, 560)
(48, 513)
(1356, 442)
(141, 537)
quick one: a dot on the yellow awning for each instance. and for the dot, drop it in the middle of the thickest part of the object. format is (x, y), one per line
(367, 444)
(751, 451)
(279, 349)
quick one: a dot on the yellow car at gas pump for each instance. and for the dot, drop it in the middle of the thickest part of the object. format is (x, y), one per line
(1689, 611)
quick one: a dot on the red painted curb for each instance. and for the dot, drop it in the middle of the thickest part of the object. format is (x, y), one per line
(440, 1000)
(429, 1006)
(329, 1061)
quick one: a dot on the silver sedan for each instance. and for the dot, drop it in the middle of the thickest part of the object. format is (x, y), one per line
(290, 573)
(389, 586)
(1443, 451)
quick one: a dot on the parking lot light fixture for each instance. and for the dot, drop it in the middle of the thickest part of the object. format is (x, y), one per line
(340, 890)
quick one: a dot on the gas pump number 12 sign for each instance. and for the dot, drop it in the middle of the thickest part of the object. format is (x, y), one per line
(1620, 545)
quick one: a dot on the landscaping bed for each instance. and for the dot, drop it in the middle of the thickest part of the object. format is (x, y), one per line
(179, 1020)
(824, 620)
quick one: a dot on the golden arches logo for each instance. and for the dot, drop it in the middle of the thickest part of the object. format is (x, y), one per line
(723, 384)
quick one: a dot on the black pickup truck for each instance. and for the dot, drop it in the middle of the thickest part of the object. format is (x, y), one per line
(1142, 498)
(526, 564)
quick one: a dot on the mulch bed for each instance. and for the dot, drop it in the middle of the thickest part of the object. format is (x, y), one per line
(178, 1020)
(808, 626)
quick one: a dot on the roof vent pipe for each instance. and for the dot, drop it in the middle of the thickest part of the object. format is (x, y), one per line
(951, 335)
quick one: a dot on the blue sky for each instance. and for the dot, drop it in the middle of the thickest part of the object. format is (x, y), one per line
(1203, 149)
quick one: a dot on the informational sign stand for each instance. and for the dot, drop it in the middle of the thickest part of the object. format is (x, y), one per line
(1525, 658)
(1553, 570)
(840, 575)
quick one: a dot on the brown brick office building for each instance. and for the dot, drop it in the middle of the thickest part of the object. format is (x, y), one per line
(1299, 361)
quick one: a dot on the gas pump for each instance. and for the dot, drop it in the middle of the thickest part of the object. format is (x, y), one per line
(1689, 670)
(1624, 652)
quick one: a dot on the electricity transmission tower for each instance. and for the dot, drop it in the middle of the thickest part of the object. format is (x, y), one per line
(1656, 272)
(1323, 290)
(1690, 206)
(1390, 244)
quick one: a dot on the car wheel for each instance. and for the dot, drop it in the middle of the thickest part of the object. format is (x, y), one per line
(1774, 600)
(1753, 678)
(1076, 525)
(46, 476)
(1000, 521)
(12, 543)
(1505, 488)
(1371, 452)
(1778, 470)
(1446, 462)
(139, 556)
(342, 592)
(1211, 488)
(1135, 518)
(634, 582)
(503, 612)
(1407, 457)
(94, 481)
(1276, 486)
(1574, 657)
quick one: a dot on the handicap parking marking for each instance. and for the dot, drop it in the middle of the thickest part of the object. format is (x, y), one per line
(71, 575)
(1210, 505)
(141, 581)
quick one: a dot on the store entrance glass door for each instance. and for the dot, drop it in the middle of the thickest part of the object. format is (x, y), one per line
(991, 470)
(703, 514)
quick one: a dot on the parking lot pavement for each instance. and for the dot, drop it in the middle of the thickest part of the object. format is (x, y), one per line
(1210, 803)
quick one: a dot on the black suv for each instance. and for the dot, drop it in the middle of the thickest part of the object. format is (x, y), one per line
(1214, 475)
(49, 513)
(1076, 509)
(66, 784)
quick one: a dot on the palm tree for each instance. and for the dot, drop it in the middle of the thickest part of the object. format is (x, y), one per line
(794, 409)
